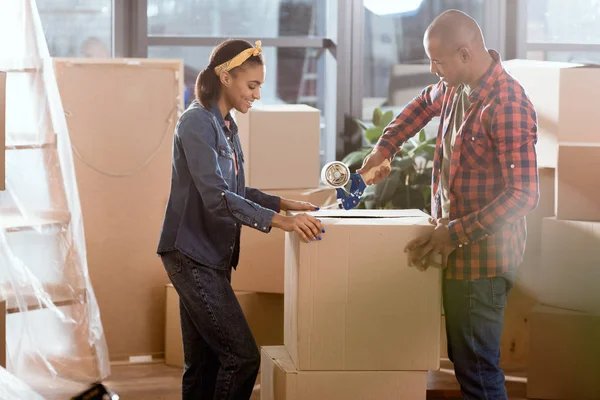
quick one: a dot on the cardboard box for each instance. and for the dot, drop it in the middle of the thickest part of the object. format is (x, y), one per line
(279, 380)
(262, 255)
(281, 146)
(563, 355)
(577, 183)
(122, 156)
(2, 333)
(3, 130)
(352, 303)
(530, 268)
(570, 276)
(564, 96)
(263, 311)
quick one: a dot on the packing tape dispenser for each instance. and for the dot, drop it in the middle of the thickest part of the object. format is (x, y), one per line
(349, 187)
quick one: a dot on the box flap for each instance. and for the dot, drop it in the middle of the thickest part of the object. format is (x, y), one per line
(281, 357)
(370, 217)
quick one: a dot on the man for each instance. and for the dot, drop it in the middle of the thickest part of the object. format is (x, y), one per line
(484, 184)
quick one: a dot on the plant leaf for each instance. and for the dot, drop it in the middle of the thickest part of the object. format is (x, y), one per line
(387, 118)
(373, 134)
(362, 125)
(356, 157)
(377, 116)
(422, 137)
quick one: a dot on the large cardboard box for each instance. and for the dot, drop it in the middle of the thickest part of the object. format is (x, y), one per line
(578, 183)
(564, 95)
(281, 146)
(570, 271)
(351, 301)
(279, 380)
(121, 115)
(564, 355)
(263, 311)
(2, 333)
(262, 254)
(2, 130)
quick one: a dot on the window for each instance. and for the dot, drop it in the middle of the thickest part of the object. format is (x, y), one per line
(209, 18)
(396, 67)
(563, 31)
(298, 72)
(559, 21)
(77, 28)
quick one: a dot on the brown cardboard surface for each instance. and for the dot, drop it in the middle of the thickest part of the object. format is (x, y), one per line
(2, 334)
(570, 274)
(121, 116)
(263, 311)
(564, 354)
(173, 341)
(281, 146)
(564, 97)
(281, 381)
(262, 254)
(351, 301)
(578, 182)
(3, 130)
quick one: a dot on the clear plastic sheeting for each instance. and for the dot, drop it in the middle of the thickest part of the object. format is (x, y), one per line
(53, 327)
(12, 388)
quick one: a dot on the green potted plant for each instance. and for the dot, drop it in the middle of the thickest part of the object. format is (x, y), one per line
(409, 182)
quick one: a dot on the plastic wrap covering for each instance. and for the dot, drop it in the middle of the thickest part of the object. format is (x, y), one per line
(53, 327)
(12, 388)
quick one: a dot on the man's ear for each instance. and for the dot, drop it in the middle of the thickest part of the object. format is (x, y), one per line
(465, 54)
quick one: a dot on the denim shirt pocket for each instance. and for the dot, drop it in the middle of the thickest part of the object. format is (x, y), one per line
(226, 163)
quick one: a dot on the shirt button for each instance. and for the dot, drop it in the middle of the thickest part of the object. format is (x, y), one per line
(473, 138)
(512, 165)
(222, 193)
(460, 245)
(255, 224)
(264, 228)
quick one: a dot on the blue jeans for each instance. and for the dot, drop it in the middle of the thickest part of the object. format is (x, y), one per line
(474, 311)
(221, 358)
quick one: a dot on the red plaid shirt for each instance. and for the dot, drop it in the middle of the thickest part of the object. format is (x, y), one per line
(493, 169)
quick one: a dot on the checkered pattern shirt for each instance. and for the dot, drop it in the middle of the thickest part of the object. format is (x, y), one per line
(493, 170)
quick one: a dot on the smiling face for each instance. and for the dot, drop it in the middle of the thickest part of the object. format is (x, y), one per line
(452, 65)
(242, 86)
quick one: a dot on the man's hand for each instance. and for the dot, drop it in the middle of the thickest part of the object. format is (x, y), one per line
(293, 205)
(374, 160)
(421, 250)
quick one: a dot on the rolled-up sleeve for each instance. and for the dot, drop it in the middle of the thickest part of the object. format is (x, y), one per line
(197, 136)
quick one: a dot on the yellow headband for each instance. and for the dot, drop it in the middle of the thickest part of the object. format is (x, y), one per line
(239, 59)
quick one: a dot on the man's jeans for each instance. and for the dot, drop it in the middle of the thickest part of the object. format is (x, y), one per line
(474, 311)
(221, 357)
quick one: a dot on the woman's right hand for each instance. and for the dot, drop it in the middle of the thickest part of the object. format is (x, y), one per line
(308, 227)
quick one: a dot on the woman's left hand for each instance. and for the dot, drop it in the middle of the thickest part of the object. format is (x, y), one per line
(293, 205)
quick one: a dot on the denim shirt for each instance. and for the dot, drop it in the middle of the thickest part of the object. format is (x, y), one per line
(209, 203)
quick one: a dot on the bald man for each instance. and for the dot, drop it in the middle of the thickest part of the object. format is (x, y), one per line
(485, 182)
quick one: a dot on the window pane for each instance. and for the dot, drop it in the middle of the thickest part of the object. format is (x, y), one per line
(252, 18)
(396, 67)
(293, 76)
(574, 56)
(559, 21)
(77, 28)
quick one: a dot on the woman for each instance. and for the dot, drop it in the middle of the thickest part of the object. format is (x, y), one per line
(200, 237)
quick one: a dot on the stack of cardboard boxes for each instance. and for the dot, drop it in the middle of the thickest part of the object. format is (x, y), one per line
(564, 328)
(359, 323)
(280, 146)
